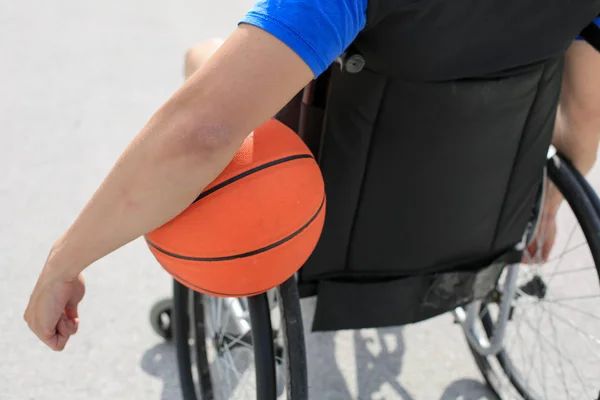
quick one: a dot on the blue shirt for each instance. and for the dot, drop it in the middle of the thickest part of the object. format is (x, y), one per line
(596, 21)
(317, 30)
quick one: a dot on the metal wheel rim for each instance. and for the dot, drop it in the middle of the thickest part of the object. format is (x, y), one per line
(552, 343)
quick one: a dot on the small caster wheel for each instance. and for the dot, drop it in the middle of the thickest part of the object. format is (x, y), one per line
(161, 318)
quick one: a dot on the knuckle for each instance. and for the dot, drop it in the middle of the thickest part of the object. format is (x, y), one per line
(58, 347)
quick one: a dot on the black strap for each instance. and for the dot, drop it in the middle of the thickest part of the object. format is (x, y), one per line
(591, 34)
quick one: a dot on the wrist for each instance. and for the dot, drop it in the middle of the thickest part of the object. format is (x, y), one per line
(63, 259)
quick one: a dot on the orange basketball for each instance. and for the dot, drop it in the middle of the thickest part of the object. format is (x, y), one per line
(254, 226)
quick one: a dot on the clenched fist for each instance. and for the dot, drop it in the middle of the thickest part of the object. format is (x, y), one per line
(52, 311)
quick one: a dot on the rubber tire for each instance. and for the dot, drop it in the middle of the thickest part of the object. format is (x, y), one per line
(156, 312)
(293, 338)
(586, 206)
(262, 339)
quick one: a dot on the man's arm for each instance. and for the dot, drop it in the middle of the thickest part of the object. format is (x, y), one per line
(576, 135)
(577, 132)
(185, 145)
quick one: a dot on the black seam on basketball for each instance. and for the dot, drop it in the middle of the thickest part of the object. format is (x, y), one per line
(242, 255)
(250, 172)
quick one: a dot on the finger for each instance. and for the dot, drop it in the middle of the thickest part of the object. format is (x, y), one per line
(60, 342)
(66, 327)
(71, 311)
(70, 325)
(75, 322)
(526, 258)
(73, 319)
(61, 337)
(528, 254)
(547, 249)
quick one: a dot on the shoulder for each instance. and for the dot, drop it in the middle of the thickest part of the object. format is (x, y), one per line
(317, 30)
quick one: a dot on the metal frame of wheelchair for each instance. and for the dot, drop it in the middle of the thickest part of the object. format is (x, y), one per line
(254, 324)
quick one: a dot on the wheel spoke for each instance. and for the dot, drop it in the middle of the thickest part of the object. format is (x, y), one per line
(555, 334)
(539, 321)
(224, 326)
(526, 357)
(237, 341)
(589, 338)
(213, 316)
(220, 310)
(224, 361)
(558, 352)
(514, 341)
(233, 351)
(561, 258)
(572, 249)
(220, 375)
(541, 353)
(231, 363)
(571, 271)
(569, 307)
(229, 390)
(585, 297)
(557, 315)
(528, 324)
(573, 325)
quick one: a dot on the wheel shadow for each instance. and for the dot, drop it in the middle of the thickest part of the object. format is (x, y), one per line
(379, 357)
(362, 364)
(468, 389)
(160, 361)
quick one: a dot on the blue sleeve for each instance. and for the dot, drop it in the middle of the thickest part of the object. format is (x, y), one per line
(596, 21)
(317, 30)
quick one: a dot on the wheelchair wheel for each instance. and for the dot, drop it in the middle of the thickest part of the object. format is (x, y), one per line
(250, 348)
(551, 347)
(160, 318)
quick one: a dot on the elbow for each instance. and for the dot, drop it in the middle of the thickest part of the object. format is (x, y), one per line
(581, 115)
(587, 118)
(199, 134)
(207, 142)
(208, 149)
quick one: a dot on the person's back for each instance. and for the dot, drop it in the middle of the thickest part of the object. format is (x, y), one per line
(435, 40)
(436, 129)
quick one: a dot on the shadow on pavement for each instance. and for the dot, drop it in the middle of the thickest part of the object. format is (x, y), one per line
(160, 361)
(379, 354)
(325, 380)
(468, 389)
(363, 364)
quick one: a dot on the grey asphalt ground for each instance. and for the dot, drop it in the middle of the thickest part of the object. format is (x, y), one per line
(78, 79)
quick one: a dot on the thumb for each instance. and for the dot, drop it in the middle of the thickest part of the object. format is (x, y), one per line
(71, 318)
(71, 308)
(71, 311)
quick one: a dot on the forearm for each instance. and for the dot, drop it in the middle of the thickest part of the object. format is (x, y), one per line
(159, 174)
(577, 138)
(577, 130)
(186, 144)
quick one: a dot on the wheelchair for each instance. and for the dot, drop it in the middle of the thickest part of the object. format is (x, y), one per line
(532, 331)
